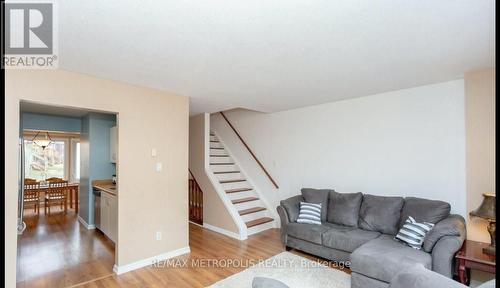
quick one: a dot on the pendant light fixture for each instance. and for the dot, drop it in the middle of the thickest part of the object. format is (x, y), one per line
(41, 140)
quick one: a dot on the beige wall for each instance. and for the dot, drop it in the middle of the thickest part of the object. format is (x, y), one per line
(480, 145)
(214, 210)
(148, 201)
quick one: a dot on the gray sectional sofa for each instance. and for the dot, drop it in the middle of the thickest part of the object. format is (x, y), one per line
(358, 229)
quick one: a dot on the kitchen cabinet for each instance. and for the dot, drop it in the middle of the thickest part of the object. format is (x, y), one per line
(113, 144)
(109, 215)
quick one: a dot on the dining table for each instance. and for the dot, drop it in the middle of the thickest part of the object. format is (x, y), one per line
(73, 189)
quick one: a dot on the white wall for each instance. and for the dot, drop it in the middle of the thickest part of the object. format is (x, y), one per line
(149, 201)
(215, 213)
(405, 142)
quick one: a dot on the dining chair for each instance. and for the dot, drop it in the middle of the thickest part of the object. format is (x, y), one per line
(31, 197)
(30, 181)
(56, 193)
(55, 180)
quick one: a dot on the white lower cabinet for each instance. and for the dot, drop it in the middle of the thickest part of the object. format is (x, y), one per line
(109, 215)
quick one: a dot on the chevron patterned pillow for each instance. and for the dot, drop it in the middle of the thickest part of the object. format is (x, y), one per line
(309, 213)
(413, 233)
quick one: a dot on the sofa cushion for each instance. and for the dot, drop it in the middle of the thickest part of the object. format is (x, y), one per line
(380, 213)
(419, 277)
(382, 258)
(317, 196)
(343, 208)
(424, 210)
(307, 232)
(347, 238)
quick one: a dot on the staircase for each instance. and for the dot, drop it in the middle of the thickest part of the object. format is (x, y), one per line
(238, 189)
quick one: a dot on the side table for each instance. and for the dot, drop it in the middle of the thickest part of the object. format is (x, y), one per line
(471, 256)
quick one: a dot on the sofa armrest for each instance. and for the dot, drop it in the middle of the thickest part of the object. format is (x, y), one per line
(443, 254)
(292, 207)
(444, 240)
(284, 222)
(453, 225)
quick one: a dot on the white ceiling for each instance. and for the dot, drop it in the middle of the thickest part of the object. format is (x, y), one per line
(276, 55)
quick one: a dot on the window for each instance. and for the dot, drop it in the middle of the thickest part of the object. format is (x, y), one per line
(45, 163)
(60, 159)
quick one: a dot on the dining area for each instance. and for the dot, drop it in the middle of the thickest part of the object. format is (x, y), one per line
(56, 195)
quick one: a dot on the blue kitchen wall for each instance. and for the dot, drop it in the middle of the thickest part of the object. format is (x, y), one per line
(96, 138)
(84, 195)
(37, 121)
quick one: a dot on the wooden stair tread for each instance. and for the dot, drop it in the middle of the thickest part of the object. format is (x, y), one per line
(243, 200)
(215, 155)
(238, 190)
(217, 148)
(259, 221)
(221, 163)
(214, 141)
(232, 181)
(226, 172)
(251, 210)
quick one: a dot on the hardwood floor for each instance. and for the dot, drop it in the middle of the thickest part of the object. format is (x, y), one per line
(93, 261)
(56, 251)
(204, 244)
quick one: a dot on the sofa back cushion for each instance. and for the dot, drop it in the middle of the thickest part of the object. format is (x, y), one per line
(424, 210)
(380, 213)
(317, 196)
(343, 208)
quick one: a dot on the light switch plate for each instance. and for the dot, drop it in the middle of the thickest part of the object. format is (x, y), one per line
(153, 152)
(159, 166)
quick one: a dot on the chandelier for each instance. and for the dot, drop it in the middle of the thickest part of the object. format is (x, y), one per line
(41, 140)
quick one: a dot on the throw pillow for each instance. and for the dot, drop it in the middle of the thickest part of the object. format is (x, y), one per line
(380, 213)
(343, 208)
(317, 196)
(310, 213)
(424, 210)
(413, 233)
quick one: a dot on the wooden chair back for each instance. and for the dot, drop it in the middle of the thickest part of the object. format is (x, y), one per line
(57, 190)
(55, 180)
(29, 181)
(31, 192)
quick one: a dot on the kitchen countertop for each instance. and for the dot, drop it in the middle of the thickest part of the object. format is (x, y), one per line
(105, 186)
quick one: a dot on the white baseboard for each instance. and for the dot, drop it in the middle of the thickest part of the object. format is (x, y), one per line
(149, 261)
(223, 231)
(195, 224)
(85, 224)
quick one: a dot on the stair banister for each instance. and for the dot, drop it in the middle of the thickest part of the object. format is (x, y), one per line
(250, 150)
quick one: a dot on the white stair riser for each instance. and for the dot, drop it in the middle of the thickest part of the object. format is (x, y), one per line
(239, 195)
(216, 168)
(217, 152)
(256, 215)
(216, 145)
(229, 176)
(250, 204)
(260, 228)
(221, 160)
(236, 185)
